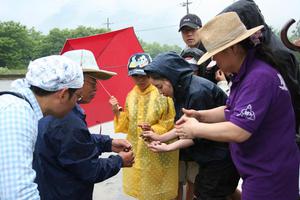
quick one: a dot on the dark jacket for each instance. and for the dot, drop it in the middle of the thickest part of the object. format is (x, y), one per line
(66, 158)
(251, 16)
(191, 92)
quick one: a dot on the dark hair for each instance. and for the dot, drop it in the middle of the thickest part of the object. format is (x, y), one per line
(156, 76)
(41, 92)
(264, 53)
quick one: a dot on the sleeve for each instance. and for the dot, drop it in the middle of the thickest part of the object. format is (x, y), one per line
(80, 156)
(166, 121)
(252, 102)
(121, 122)
(103, 142)
(18, 131)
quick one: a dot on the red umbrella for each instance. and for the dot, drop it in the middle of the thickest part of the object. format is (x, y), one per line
(112, 51)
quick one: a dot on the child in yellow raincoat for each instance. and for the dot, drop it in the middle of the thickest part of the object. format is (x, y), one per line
(153, 176)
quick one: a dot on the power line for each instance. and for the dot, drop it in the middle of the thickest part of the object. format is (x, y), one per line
(186, 4)
(107, 23)
(155, 28)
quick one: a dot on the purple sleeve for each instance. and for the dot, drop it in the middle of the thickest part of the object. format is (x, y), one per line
(252, 101)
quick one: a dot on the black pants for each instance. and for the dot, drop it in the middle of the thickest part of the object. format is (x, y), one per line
(216, 181)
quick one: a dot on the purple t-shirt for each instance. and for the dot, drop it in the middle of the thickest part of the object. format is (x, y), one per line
(268, 161)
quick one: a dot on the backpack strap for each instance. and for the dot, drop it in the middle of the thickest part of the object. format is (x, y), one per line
(17, 95)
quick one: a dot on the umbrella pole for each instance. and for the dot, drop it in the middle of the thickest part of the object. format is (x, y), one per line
(107, 92)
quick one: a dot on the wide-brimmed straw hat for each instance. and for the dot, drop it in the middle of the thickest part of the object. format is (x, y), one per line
(87, 61)
(223, 31)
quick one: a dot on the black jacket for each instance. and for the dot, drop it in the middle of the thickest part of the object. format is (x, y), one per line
(191, 92)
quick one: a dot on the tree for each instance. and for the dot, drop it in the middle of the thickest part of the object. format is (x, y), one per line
(15, 45)
(55, 40)
(82, 31)
(19, 45)
(155, 48)
(37, 39)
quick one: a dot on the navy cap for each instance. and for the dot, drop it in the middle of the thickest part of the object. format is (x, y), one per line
(190, 20)
(192, 53)
(137, 62)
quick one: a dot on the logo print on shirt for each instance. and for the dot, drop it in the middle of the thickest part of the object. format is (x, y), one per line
(282, 83)
(247, 113)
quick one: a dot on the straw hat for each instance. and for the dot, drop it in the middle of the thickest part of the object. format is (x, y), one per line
(223, 31)
(87, 61)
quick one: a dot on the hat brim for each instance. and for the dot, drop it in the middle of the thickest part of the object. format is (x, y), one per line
(247, 34)
(188, 24)
(99, 74)
(136, 72)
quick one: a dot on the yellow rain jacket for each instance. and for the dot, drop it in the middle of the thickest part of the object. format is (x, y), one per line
(154, 176)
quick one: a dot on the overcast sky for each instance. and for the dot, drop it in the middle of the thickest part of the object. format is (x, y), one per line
(153, 20)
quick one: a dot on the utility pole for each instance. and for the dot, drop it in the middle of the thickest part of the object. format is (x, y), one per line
(183, 4)
(107, 23)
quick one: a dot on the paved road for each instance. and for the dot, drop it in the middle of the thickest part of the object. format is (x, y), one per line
(110, 189)
(4, 84)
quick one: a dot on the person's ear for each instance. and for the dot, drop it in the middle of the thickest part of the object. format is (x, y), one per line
(63, 94)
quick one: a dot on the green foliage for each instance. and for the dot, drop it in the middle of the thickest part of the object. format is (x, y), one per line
(19, 45)
(54, 41)
(6, 71)
(155, 48)
(15, 45)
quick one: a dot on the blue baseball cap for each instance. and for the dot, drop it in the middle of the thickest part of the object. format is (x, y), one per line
(137, 62)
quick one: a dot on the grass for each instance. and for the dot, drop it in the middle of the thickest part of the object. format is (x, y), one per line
(6, 71)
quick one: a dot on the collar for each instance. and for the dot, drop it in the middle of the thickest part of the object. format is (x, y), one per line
(149, 89)
(79, 109)
(31, 98)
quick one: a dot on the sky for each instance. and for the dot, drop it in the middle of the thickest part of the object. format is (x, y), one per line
(153, 20)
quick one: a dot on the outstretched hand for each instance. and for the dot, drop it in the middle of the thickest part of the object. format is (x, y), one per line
(149, 136)
(191, 113)
(185, 127)
(157, 146)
